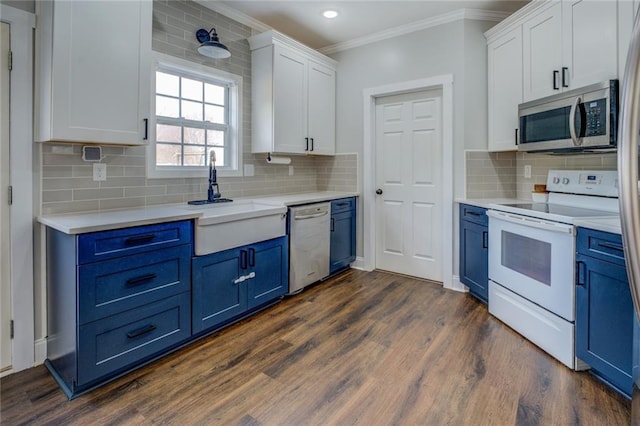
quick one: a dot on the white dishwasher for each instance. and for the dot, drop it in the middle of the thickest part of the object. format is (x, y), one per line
(309, 244)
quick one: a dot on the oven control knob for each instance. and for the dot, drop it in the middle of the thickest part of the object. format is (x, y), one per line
(556, 180)
(565, 181)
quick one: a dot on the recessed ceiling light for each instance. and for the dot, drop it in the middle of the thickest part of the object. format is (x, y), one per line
(329, 14)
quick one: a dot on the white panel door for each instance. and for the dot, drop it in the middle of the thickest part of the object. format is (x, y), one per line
(322, 109)
(542, 53)
(5, 224)
(590, 41)
(290, 101)
(409, 176)
(505, 90)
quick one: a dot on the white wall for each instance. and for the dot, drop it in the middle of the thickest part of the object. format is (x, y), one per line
(457, 48)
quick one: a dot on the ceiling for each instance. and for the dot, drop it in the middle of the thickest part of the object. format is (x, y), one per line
(303, 20)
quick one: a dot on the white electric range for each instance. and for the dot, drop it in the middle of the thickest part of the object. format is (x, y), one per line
(532, 257)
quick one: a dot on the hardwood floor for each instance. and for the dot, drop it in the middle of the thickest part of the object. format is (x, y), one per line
(363, 348)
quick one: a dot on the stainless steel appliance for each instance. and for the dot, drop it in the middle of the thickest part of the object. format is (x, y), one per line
(309, 244)
(629, 203)
(577, 120)
(532, 257)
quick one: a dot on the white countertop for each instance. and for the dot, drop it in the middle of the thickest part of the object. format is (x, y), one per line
(80, 223)
(611, 224)
(486, 203)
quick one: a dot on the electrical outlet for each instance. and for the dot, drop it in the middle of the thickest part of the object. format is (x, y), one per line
(527, 171)
(99, 171)
(290, 170)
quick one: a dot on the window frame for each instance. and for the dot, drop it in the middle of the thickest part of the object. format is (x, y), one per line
(194, 70)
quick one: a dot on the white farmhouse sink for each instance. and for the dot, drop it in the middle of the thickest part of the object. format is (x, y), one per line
(227, 225)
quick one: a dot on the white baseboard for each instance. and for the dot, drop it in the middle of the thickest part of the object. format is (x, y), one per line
(456, 285)
(359, 264)
(40, 349)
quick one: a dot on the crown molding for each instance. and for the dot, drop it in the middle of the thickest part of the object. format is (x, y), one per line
(423, 24)
(234, 14)
(518, 17)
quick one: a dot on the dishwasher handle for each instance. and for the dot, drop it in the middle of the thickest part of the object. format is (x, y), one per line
(310, 216)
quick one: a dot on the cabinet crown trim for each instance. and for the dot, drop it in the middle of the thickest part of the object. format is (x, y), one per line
(272, 37)
(517, 18)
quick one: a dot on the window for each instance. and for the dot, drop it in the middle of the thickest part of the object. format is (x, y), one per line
(196, 111)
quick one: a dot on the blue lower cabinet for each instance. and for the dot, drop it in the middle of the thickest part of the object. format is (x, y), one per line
(604, 321)
(231, 283)
(112, 344)
(474, 251)
(343, 234)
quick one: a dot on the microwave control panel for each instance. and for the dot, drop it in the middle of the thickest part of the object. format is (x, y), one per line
(595, 117)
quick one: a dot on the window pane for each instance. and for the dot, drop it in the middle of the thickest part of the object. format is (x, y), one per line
(214, 114)
(166, 133)
(215, 137)
(192, 110)
(168, 155)
(220, 159)
(167, 107)
(195, 136)
(191, 89)
(167, 84)
(214, 94)
(194, 156)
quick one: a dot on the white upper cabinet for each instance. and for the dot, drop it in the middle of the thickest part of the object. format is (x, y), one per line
(568, 45)
(542, 50)
(589, 39)
(505, 89)
(293, 97)
(93, 71)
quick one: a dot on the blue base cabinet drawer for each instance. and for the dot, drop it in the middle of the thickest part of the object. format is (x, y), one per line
(113, 286)
(107, 346)
(97, 246)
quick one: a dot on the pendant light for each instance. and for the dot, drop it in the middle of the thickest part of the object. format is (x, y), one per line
(210, 44)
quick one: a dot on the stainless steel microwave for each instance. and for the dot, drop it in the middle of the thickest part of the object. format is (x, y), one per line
(579, 120)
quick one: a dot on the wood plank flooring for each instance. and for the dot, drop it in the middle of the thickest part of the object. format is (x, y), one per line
(363, 348)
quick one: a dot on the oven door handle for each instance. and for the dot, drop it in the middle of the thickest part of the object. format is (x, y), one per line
(533, 222)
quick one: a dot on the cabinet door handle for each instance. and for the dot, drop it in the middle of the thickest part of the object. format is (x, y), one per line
(141, 279)
(516, 137)
(565, 77)
(333, 224)
(556, 74)
(252, 257)
(307, 142)
(580, 273)
(485, 239)
(311, 143)
(139, 240)
(140, 331)
(612, 246)
(146, 129)
(243, 259)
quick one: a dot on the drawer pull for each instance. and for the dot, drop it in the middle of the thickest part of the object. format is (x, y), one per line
(342, 204)
(142, 330)
(139, 240)
(612, 246)
(472, 213)
(140, 279)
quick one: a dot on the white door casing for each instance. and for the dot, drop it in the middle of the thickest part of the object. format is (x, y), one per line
(5, 223)
(444, 82)
(409, 176)
(22, 179)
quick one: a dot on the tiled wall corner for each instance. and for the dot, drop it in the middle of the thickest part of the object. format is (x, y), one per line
(542, 163)
(490, 174)
(67, 180)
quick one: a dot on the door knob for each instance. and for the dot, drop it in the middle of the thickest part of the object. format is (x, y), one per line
(379, 191)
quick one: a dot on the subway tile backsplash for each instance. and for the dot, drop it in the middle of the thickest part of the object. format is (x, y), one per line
(67, 180)
(490, 174)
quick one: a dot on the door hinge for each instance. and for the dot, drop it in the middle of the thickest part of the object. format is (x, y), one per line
(10, 64)
(11, 331)
(10, 195)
